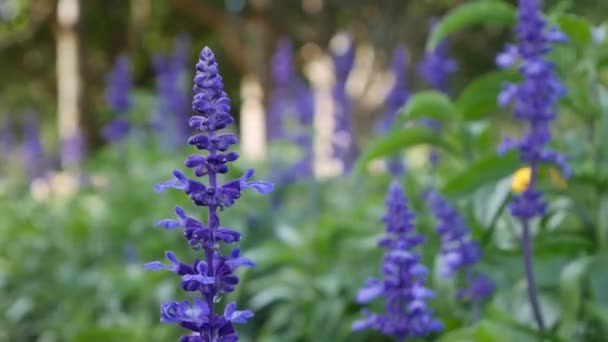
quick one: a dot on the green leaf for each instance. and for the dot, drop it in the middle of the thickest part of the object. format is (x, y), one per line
(494, 12)
(480, 96)
(570, 295)
(427, 104)
(576, 28)
(492, 331)
(598, 281)
(397, 140)
(484, 171)
(458, 335)
(561, 243)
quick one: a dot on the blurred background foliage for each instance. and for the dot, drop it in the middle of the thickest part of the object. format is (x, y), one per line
(72, 245)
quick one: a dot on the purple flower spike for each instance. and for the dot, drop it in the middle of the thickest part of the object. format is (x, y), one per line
(118, 88)
(212, 275)
(533, 99)
(459, 252)
(290, 111)
(406, 313)
(171, 113)
(119, 85)
(436, 67)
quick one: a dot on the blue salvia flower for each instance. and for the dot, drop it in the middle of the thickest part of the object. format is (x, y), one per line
(344, 143)
(395, 100)
(211, 275)
(534, 100)
(459, 252)
(118, 89)
(406, 312)
(291, 110)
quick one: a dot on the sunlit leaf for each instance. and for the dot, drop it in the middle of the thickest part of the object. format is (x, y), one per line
(427, 104)
(398, 140)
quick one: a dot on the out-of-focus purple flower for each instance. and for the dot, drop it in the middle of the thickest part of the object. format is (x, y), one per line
(118, 85)
(116, 129)
(399, 93)
(459, 252)
(212, 275)
(436, 67)
(396, 98)
(7, 139)
(171, 110)
(290, 112)
(291, 101)
(35, 159)
(344, 139)
(73, 149)
(406, 313)
(479, 287)
(118, 89)
(534, 100)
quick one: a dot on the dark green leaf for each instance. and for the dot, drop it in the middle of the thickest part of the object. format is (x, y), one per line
(570, 295)
(482, 172)
(599, 281)
(480, 96)
(493, 12)
(576, 28)
(398, 140)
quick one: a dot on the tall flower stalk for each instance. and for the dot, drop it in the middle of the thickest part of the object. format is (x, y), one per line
(534, 100)
(212, 275)
(406, 313)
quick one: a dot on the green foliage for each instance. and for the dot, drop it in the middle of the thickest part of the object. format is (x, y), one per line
(397, 140)
(480, 96)
(469, 14)
(71, 262)
(577, 29)
(486, 170)
(428, 104)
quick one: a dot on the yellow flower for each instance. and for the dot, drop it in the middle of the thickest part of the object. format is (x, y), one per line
(521, 179)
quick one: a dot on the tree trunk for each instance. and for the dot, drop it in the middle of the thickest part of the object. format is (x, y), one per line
(68, 83)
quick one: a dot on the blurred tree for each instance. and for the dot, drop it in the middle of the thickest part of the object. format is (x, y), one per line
(245, 31)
